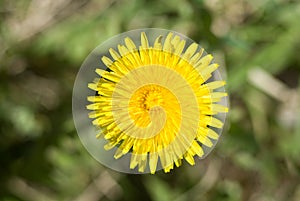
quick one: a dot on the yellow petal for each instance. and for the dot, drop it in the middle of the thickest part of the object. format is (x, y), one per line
(167, 44)
(107, 61)
(130, 44)
(144, 41)
(157, 43)
(114, 54)
(190, 51)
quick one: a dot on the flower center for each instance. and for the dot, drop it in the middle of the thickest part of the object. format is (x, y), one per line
(149, 96)
(145, 100)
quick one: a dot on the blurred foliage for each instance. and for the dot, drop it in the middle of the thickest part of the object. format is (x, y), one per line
(43, 44)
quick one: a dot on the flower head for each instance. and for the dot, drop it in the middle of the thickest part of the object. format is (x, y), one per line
(155, 102)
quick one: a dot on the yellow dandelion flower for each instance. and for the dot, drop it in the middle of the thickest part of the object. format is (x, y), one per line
(157, 102)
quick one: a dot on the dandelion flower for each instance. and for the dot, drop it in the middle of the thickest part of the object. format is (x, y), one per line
(157, 102)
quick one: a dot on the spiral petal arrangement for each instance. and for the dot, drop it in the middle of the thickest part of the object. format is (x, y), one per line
(155, 102)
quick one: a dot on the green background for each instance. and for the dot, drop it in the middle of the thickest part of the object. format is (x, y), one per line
(42, 46)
